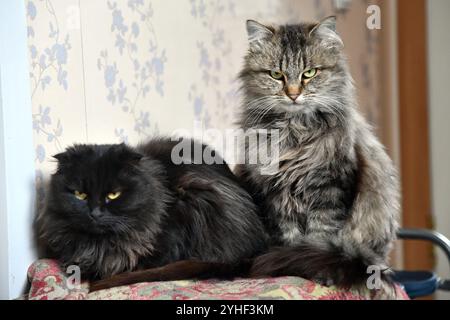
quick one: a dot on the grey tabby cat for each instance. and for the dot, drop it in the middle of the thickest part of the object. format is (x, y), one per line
(331, 202)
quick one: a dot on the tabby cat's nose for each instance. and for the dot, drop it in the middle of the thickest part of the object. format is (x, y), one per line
(293, 96)
(293, 92)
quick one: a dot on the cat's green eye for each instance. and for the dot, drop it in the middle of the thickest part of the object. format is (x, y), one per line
(276, 74)
(311, 73)
(80, 195)
(113, 195)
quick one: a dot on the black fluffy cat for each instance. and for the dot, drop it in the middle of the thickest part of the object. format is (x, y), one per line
(113, 209)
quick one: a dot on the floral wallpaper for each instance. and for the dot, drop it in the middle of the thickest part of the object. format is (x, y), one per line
(108, 71)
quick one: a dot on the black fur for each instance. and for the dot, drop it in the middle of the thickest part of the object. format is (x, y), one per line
(325, 264)
(166, 212)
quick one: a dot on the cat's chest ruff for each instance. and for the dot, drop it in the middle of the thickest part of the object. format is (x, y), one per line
(298, 153)
(293, 167)
(112, 255)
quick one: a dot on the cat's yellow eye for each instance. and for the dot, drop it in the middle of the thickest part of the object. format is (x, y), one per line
(80, 195)
(311, 73)
(276, 74)
(113, 195)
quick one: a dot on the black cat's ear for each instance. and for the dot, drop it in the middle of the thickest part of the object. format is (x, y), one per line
(74, 152)
(64, 159)
(61, 157)
(325, 30)
(128, 155)
(134, 157)
(257, 32)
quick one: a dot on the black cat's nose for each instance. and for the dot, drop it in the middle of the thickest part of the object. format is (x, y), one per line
(96, 213)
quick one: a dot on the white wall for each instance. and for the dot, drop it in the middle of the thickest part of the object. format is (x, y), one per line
(439, 77)
(16, 151)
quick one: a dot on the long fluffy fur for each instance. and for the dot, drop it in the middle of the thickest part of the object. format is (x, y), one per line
(327, 264)
(331, 204)
(166, 213)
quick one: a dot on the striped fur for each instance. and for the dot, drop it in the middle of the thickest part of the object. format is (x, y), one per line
(332, 204)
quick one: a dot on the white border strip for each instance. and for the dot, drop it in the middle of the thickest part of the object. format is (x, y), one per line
(16, 151)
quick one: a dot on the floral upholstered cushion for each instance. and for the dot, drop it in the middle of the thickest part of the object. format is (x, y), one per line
(48, 281)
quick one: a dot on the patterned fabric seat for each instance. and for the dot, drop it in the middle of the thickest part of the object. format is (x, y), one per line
(48, 281)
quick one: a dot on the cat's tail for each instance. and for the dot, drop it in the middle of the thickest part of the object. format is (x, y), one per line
(342, 265)
(180, 270)
(324, 262)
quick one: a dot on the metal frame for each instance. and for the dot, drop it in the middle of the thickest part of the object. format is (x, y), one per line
(434, 237)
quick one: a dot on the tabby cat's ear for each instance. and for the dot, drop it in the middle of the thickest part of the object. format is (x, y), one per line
(326, 31)
(258, 32)
(327, 23)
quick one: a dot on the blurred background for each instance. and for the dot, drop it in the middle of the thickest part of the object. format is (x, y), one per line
(109, 71)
